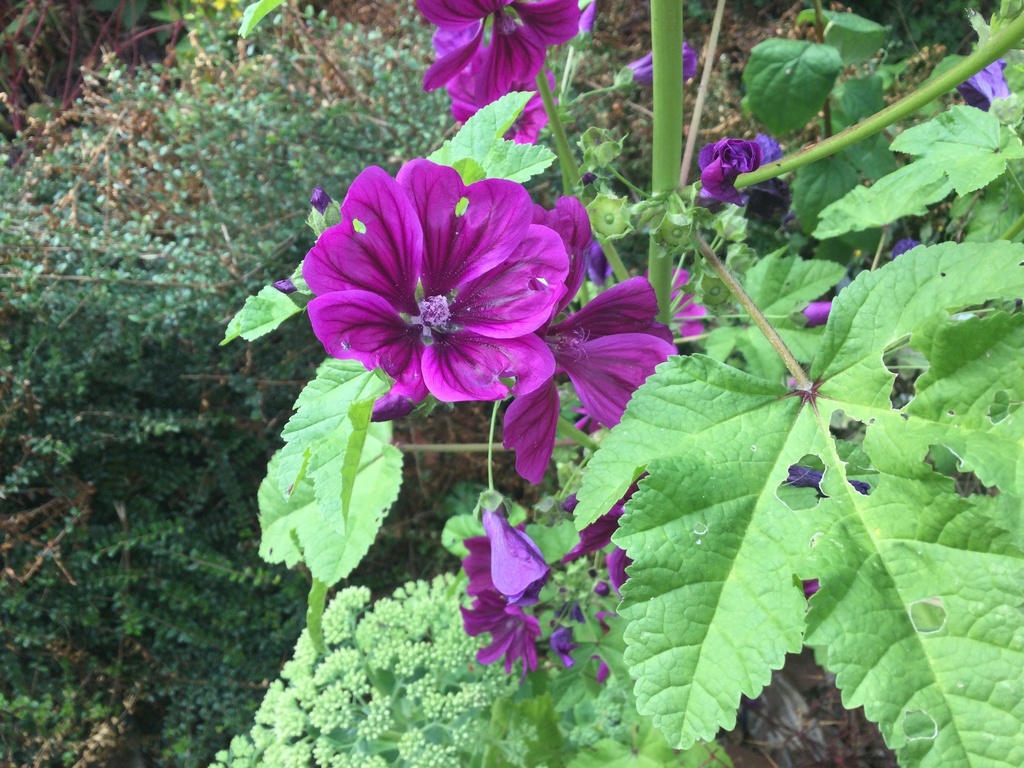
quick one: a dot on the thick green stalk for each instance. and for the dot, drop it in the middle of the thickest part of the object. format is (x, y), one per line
(667, 45)
(996, 47)
(569, 430)
(314, 615)
(570, 171)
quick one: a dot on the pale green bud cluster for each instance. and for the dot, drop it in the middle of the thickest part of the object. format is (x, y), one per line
(398, 686)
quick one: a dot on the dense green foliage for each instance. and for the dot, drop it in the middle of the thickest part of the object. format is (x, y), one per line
(132, 444)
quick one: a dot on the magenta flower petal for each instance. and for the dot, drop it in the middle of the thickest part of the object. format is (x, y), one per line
(586, 25)
(982, 89)
(518, 569)
(515, 57)
(466, 366)
(628, 307)
(529, 429)
(449, 65)
(608, 370)
(517, 296)
(562, 644)
(513, 634)
(380, 254)
(477, 565)
(597, 535)
(531, 360)
(461, 247)
(553, 21)
(359, 325)
(458, 13)
(570, 220)
(448, 39)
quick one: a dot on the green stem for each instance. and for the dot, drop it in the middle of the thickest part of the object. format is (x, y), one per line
(570, 172)
(610, 253)
(490, 447)
(1015, 229)
(802, 381)
(667, 46)
(819, 28)
(566, 429)
(977, 61)
(314, 614)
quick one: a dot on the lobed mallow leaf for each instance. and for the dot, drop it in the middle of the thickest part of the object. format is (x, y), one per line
(962, 150)
(261, 314)
(919, 612)
(295, 529)
(480, 146)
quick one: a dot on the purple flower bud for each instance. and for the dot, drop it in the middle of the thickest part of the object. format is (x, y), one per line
(602, 670)
(817, 313)
(602, 589)
(586, 26)
(588, 178)
(285, 286)
(643, 68)
(562, 644)
(986, 86)
(598, 268)
(720, 164)
(904, 245)
(391, 407)
(320, 200)
(518, 569)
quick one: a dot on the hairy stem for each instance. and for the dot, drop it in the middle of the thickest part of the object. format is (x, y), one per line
(702, 93)
(802, 381)
(667, 45)
(570, 171)
(819, 29)
(977, 61)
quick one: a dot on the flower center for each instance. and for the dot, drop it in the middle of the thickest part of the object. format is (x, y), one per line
(434, 313)
(504, 24)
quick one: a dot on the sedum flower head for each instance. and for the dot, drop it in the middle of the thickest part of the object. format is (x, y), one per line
(440, 284)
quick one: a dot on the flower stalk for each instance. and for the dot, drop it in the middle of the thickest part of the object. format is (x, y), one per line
(570, 172)
(667, 46)
(797, 371)
(995, 48)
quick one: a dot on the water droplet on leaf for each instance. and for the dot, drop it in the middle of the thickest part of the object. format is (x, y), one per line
(700, 529)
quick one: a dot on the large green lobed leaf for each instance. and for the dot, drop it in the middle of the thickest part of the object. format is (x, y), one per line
(920, 608)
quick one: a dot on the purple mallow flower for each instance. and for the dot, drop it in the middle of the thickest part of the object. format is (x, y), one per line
(720, 164)
(817, 313)
(562, 644)
(320, 200)
(643, 68)
(771, 198)
(518, 570)
(391, 407)
(440, 284)
(518, 43)
(902, 246)
(805, 477)
(513, 634)
(988, 85)
(598, 267)
(598, 535)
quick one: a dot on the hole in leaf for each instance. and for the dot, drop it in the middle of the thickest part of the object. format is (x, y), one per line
(918, 725)
(947, 463)
(801, 488)
(928, 616)
(906, 364)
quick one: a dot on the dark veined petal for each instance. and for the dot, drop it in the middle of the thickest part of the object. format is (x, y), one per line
(570, 220)
(466, 366)
(448, 66)
(552, 21)
(627, 307)
(461, 246)
(377, 247)
(359, 325)
(529, 430)
(458, 13)
(515, 297)
(607, 371)
(509, 59)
